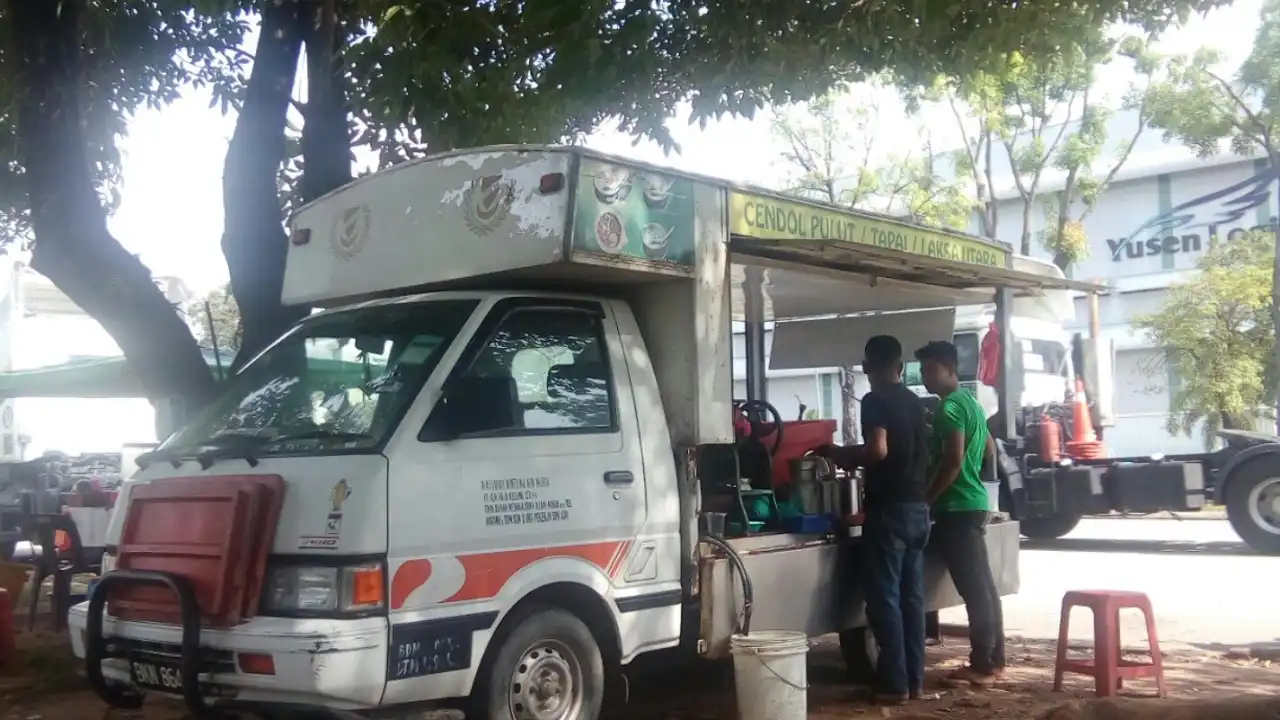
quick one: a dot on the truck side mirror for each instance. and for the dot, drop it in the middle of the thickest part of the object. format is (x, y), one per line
(474, 406)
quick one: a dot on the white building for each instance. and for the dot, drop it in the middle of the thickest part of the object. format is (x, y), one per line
(1147, 232)
(40, 326)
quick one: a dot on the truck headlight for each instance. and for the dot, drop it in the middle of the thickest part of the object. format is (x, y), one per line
(325, 590)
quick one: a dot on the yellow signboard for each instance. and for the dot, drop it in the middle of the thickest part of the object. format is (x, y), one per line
(767, 218)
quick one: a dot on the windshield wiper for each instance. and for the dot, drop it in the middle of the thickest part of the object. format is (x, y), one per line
(227, 444)
(321, 434)
(242, 445)
(231, 445)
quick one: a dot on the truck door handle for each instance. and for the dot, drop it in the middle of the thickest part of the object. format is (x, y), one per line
(619, 477)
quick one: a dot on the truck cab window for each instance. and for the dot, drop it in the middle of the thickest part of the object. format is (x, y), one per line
(1045, 356)
(559, 362)
(967, 353)
(966, 367)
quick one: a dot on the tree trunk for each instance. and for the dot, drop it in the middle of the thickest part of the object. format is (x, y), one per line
(848, 407)
(253, 239)
(1274, 370)
(1060, 258)
(992, 206)
(1231, 422)
(73, 246)
(326, 146)
(1025, 247)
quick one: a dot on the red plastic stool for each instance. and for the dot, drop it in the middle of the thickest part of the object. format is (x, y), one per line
(7, 648)
(1107, 667)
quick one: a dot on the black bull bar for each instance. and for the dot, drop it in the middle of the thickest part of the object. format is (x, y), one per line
(95, 645)
(127, 698)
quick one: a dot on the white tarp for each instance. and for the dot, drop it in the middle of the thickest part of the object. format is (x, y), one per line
(839, 341)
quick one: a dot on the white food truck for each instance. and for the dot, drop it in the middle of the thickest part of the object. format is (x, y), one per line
(489, 470)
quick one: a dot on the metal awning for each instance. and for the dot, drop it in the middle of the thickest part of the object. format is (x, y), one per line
(770, 227)
(876, 262)
(792, 292)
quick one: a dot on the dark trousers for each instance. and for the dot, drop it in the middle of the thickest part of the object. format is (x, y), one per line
(961, 539)
(894, 536)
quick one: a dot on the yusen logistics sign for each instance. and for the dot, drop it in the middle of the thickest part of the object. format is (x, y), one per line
(769, 218)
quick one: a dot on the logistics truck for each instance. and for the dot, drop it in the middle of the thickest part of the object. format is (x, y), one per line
(532, 470)
(1052, 490)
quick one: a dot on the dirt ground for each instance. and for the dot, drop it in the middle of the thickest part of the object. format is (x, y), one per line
(46, 683)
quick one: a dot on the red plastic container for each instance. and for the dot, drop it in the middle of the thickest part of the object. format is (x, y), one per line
(215, 531)
(798, 438)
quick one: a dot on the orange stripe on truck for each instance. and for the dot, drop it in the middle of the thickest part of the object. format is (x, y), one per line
(411, 575)
(485, 574)
(619, 560)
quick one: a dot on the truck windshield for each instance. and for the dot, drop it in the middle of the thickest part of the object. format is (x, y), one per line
(966, 355)
(338, 382)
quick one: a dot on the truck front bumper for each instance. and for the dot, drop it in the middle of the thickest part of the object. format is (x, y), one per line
(324, 666)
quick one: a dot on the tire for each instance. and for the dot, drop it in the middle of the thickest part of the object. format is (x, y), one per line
(1050, 528)
(549, 644)
(860, 652)
(1246, 489)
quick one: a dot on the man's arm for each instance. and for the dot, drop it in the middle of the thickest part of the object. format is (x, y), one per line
(875, 445)
(947, 467)
(875, 449)
(991, 471)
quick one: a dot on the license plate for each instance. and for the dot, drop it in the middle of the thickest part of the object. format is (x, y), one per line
(152, 675)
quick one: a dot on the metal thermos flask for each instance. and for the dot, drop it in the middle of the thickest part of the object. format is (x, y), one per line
(851, 503)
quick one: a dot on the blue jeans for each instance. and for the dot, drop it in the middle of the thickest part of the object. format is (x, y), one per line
(894, 537)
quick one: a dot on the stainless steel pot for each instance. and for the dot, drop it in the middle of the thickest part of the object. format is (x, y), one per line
(810, 476)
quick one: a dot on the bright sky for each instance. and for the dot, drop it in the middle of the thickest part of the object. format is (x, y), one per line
(172, 210)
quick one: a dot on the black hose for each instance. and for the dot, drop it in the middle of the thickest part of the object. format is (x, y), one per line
(737, 490)
(748, 593)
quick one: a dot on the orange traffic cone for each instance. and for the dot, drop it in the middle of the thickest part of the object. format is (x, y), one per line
(1084, 443)
(1082, 423)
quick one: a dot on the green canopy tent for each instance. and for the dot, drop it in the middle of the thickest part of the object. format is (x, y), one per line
(112, 377)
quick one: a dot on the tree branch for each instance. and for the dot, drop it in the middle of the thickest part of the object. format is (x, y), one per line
(1239, 102)
(73, 246)
(1013, 165)
(1062, 129)
(1124, 157)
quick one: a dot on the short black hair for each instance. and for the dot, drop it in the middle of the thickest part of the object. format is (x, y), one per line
(881, 352)
(939, 351)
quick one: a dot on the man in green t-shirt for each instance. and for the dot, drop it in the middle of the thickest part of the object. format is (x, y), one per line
(960, 443)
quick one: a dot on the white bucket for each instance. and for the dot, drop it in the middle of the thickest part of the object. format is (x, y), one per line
(993, 496)
(770, 675)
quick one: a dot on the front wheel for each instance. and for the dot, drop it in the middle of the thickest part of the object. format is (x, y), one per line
(547, 667)
(1253, 504)
(1049, 528)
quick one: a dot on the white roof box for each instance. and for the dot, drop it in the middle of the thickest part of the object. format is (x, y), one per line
(429, 222)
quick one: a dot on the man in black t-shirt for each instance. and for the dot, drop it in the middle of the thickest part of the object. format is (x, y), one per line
(895, 455)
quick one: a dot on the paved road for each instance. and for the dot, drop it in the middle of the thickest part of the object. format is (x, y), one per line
(1208, 589)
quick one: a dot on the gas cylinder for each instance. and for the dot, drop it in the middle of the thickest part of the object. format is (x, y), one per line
(1050, 439)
